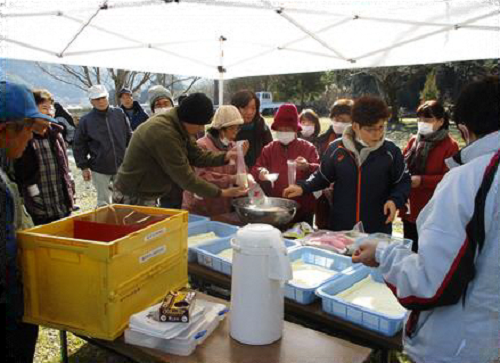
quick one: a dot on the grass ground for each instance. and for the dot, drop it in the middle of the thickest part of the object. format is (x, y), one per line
(48, 347)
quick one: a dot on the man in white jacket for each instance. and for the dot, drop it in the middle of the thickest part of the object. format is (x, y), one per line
(452, 285)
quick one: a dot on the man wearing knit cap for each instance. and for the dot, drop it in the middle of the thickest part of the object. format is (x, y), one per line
(220, 137)
(133, 110)
(162, 153)
(160, 99)
(287, 148)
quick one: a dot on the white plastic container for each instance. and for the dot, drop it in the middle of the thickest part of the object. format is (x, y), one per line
(260, 269)
(186, 342)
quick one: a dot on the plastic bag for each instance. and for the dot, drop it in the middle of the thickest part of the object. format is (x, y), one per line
(342, 242)
(241, 167)
(292, 171)
(257, 195)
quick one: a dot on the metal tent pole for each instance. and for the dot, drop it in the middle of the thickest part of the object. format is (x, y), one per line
(222, 70)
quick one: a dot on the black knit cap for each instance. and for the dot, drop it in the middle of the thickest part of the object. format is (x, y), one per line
(196, 109)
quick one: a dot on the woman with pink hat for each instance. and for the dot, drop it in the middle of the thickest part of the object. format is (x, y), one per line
(276, 155)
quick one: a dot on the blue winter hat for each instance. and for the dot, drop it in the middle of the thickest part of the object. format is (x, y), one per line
(17, 103)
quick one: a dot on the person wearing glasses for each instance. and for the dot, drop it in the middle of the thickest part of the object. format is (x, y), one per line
(42, 172)
(425, 156)
(369, 174)
(220, 137)
(19, 120)
(451, 285)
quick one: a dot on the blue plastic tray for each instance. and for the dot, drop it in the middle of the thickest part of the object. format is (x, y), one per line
(318, 257)
(384, 324)
(208, 254)
(195, 220)
(222, 230)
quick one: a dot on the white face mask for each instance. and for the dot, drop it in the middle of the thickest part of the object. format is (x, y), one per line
(425, 128)
(285, 137)
(339, 127)
(161, 110)
(307, 130)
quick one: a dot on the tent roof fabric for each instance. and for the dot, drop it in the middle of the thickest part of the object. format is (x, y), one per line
(255, 37)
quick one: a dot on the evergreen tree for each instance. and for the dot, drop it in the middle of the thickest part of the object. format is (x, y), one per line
(430, 91)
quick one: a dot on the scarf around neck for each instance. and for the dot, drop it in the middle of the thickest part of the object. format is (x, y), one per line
(416, 158)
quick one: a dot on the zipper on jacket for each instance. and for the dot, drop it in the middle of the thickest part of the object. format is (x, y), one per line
(112, 142)
(358, 186)
(358, 201)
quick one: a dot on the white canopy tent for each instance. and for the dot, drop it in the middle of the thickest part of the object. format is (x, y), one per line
(235, 38)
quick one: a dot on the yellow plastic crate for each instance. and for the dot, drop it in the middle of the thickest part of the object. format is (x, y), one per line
(92, 288)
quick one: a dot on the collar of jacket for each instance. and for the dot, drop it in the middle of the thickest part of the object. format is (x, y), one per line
(485, 145)
(101, 113)
(218, 143)
(293, 142)
(326, 135)
(349, 144)
(136, 107)
(172, 116)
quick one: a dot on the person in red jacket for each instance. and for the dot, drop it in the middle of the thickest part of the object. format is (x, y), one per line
(274, 158)
(425, 156)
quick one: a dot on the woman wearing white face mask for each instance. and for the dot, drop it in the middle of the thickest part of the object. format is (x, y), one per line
(425, 155)
(311, 127)
(340, 116)
(220, 136)
(274, 158)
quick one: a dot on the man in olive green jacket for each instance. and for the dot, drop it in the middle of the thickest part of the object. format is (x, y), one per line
(162, 152)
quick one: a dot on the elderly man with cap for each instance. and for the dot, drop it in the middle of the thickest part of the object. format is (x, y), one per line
(19, 119)
(100, 142)
(220, 137)
(134, 111)
(163, 152)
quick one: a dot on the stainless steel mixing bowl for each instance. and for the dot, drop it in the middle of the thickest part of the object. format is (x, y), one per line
(276, 211)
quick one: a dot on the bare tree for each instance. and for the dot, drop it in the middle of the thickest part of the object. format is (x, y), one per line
(84, 77)
(128, 79)
(170, 82)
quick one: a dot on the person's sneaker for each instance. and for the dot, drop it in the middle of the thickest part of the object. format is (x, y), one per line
(76, 207)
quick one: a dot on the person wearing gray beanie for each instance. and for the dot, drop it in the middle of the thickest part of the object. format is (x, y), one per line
(160, 99)
(161, 156)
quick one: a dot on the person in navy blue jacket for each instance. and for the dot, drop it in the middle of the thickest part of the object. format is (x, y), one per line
(370, 177)
(133, 110)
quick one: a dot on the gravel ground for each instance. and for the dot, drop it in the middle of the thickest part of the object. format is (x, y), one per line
(48, 345)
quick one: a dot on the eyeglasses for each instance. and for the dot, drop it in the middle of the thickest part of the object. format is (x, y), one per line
(373, 130)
